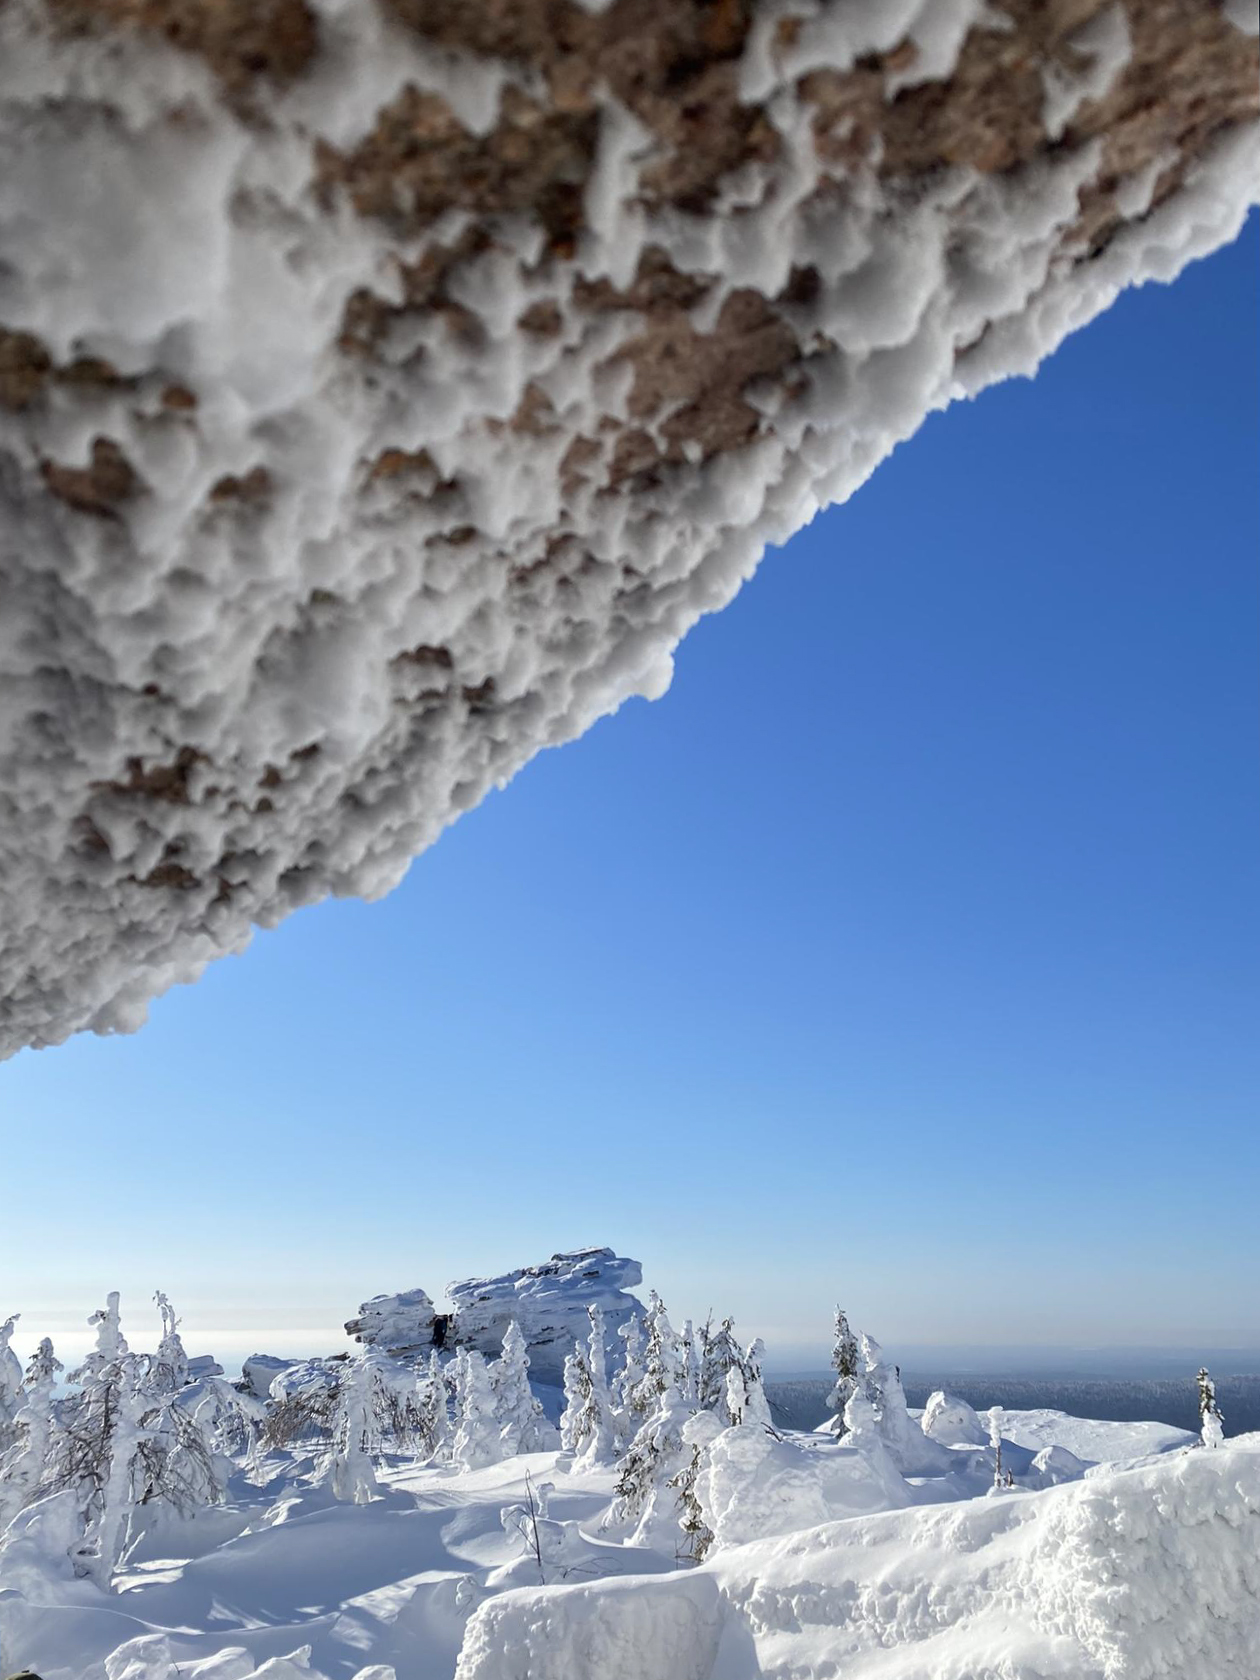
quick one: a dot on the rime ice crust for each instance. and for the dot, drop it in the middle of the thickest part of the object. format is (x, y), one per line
(334, 487)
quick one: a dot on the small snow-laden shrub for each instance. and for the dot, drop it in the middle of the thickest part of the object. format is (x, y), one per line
(307, 1401)
(303, 1404)
(664, 1627)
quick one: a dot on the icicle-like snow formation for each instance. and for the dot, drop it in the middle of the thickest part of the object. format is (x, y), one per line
(385, 390)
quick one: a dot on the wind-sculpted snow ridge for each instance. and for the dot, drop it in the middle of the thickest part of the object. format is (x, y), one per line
(1149, 1573)
(387, 387)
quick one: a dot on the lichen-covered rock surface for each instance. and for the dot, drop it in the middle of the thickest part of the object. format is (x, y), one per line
(386, 386)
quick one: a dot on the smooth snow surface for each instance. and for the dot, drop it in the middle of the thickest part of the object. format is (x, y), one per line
(320, 673)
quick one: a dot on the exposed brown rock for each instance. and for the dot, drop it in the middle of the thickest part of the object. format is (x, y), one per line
(241, 40)
(253, 486)
(24, 368)
(100, 488)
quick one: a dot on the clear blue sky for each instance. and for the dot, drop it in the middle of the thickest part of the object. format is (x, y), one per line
(907, 951)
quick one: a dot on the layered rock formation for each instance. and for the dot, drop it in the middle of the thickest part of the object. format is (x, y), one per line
(396, 1324)
(548, 1302)
(386, 386)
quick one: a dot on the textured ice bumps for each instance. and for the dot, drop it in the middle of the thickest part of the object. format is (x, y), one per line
(387, 388)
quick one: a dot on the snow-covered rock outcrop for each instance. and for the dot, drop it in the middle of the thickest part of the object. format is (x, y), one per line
(396, 1324)
(550, 1303)
(387, 386)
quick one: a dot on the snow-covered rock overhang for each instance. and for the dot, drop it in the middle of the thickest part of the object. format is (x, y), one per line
(387, 386)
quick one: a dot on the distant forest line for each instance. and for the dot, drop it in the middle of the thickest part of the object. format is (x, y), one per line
(801, 1402)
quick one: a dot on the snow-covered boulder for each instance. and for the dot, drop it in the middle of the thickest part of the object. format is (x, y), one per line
(550, 1303)
(203, 1365)
(259, 1371)
(306, 1376)
(952, 1421)
(396, 1324)
(753, 1485)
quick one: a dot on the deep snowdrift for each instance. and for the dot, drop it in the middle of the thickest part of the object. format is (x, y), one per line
(1151, 1573)
(385, 390)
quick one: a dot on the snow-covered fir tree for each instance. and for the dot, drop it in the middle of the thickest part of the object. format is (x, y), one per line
(733, 1400)
(436, 1413)
(476, 1440)
(846, 1363)
(111, 1345)
(698, 1433)
(126, 1449)
(347, 1466)
(625, 1380)
(645, 1503)
(1211, 1418)
(10, 1382)
(689, 1377)
(177, 1468)
(94, 1448)
(522, 1422)
(662, 1359)
(170, 1364)
(593, 1433)
(756, 1408)
(22, 1465)
(577, 1390)
(720, 1353)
